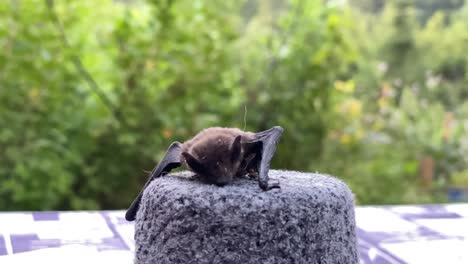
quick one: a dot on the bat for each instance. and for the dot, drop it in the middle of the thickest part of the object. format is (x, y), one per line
(218, 155)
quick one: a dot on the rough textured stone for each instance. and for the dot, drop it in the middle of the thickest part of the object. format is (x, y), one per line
(309, 220)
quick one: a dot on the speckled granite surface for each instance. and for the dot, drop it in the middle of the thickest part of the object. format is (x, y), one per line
(309, 220)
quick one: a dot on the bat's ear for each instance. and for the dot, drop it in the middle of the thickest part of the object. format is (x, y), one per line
(236, 148)
(193, 162)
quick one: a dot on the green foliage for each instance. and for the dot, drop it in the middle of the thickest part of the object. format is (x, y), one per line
(43, 132)
(410, 105)
(363, 96)
(286, 76)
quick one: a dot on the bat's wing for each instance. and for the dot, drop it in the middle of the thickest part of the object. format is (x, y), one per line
(264, 145)
(170, 161)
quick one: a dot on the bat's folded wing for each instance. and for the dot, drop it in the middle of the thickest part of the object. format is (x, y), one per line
(170, 161)
(266, 142)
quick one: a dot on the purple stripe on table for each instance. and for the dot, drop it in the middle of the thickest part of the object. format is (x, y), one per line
(24, 243)
(45, 216)
(3, 250)
(370, 250)
(421, 232)
(112, 244)
(427, 212)
(117, 241)
(445, 215)
(372, 254)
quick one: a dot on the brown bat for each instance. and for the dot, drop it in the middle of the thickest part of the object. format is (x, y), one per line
(218, 155)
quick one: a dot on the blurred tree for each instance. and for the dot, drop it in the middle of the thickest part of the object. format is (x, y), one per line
(45, 129)
(286, 73)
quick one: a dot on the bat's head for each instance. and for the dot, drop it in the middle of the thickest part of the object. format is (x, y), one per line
(217, 160)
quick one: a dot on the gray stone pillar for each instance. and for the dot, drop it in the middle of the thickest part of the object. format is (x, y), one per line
(309, 220)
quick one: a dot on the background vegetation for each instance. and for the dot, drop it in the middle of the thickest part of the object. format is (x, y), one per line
(91, 94)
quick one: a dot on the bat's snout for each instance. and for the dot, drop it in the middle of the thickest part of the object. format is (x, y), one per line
(221, 184)
(223, 180)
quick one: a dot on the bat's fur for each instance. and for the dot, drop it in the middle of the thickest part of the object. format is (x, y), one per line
(218, 154)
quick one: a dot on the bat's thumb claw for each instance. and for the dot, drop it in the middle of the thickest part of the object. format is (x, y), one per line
(273, 185)
(270, 185)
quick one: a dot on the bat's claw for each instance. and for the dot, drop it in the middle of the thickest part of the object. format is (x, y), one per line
(252, 175)
(266, 186)
(273, 185)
